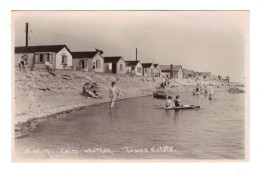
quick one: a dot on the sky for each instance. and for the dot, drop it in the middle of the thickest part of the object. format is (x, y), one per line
(214, 41)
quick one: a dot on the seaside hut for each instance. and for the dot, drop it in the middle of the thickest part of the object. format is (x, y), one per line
(196, 75)
(185, 73)
(206, 75)
(165, 70)
(35, 56)
(88, 61)
(190, 74)
(133, 66)
(114, 64)
(157, 70)
(148, 69)
(177, 71)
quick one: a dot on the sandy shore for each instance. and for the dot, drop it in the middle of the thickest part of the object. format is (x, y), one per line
(39, 95)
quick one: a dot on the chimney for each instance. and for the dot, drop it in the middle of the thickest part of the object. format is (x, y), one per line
(171, 71)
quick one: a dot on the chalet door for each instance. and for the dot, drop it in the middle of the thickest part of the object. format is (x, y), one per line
(113, 67)
(82, 64)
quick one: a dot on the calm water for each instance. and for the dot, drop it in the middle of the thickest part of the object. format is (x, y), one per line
(135, 130)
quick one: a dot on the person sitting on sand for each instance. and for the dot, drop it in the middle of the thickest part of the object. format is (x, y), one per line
(113, 94)
(178, 102)
(90, 91)
(169, 103)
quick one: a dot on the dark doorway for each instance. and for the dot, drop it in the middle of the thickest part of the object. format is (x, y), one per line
(113, 67)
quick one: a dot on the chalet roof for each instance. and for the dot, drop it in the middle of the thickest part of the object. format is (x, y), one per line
(85, 54)
(195, 72)
(131, 63)
(206, 73)
(112, 59)
(190, 71)
(184, 70)
(156, 65)
(147, 65)
(43, 48)
(167, 68)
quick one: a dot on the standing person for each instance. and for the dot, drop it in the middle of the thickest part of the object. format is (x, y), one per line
(206, 91)
(211, 94)
(178, 102)
(197, 89)
(22, 64)
(48, 65)
(113, 94)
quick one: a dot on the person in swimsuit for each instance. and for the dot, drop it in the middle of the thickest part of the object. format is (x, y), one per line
(113, 94)
(168, 103)
(197, 89)
(178, 102)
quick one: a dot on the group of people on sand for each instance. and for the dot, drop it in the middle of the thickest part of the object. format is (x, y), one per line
(200, 90)
(90, 91)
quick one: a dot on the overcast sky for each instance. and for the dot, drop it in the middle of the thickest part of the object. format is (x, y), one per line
(212, 41)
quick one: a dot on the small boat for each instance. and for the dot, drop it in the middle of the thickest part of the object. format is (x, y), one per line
(177, 108)
(160, 94)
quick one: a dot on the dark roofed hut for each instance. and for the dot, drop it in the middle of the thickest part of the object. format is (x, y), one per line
(114, 64)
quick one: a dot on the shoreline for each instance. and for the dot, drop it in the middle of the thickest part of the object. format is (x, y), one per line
(40, 96)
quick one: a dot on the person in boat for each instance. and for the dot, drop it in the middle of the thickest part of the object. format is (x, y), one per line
(177, 102)
(113, 94)
(169, 103)
(211, 93)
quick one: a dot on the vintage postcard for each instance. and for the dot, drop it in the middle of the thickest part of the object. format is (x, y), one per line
(130, 86)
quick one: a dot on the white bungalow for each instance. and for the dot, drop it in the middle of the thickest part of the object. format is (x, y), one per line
(133, 66)
(88, 61)
(35, 56)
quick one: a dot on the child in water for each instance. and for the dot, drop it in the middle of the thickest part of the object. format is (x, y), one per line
(168, 103)
(178, 102)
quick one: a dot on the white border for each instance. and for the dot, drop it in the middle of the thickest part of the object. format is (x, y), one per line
(5, 99)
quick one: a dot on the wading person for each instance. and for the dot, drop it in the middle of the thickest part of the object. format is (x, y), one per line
(197, 89)
(211, 93)
(113, 94)
(178, 102)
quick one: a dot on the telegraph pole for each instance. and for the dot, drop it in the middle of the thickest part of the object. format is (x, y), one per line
(136, 54)
(26, 34)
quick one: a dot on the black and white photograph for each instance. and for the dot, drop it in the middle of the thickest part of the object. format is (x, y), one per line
(130, 85)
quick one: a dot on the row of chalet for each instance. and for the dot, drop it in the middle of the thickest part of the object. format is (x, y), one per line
(62, 58)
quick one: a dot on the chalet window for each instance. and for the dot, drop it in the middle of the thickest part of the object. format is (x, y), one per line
(121, 67)
(97, 63)
(139, 69)
(64, 59)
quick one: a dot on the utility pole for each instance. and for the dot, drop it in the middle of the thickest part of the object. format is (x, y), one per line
(136, 54)
(26, 34)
